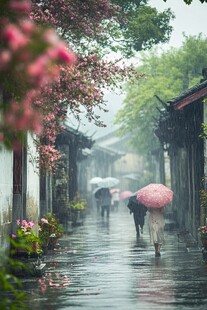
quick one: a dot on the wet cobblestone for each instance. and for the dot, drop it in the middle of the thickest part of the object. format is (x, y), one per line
(103, 265)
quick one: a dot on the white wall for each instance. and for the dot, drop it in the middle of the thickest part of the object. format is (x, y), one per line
(33, 203)
(6, 192)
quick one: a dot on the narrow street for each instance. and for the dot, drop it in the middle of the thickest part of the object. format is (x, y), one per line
(110, 268)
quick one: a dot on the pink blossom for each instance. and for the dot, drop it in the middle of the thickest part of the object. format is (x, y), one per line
(31, 224)
(5, 57)
(43, 220)
(43, 288)
(20, 5)
(64, 55)
(37, 68)
(16, 39)
(51, 37)
(27, 26)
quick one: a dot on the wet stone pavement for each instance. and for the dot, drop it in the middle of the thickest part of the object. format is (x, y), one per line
(103, 265)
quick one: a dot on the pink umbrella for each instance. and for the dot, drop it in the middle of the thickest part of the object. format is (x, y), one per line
(125, 194)
(114, 190)
(155, 195)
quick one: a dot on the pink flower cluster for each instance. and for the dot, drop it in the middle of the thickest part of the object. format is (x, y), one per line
(88, 16)
(48, 156)
(24, 225)
(30, 56)
(44, 221)
(203, 231)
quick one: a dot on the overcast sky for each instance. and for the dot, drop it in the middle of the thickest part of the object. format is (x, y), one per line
(190, 19)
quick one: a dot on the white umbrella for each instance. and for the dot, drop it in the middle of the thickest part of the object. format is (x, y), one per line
(96, 190)
(108, 182)
(95, 180)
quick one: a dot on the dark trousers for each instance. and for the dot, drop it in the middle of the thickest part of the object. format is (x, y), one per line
(138, 221)
(105, 209)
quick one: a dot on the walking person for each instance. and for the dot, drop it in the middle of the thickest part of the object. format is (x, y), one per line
(105, 201)
(115, 201)
(139, 211)
(155, 196)
(156, 228)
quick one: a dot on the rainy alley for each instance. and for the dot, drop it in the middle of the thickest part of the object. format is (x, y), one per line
(103, 123)
(108, 267)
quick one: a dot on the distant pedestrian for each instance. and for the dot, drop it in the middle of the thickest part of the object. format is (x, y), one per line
(156, 228)
(97, 196)
(97, 204)
(105, 201)
(115, 201)
(139, 211)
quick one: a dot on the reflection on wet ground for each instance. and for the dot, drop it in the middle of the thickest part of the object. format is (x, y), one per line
(103, 265)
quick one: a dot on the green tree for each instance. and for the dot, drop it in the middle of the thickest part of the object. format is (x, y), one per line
(124, 25)
(167, 75)
(141, 26)
(190, 1)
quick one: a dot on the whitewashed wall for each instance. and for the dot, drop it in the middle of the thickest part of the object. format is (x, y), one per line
(32, 193)
(6, 192)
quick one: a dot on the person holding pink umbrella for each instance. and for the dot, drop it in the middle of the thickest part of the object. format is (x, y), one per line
(156, 228)
(155, 197)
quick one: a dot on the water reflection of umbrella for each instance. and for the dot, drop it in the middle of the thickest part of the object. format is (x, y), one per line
(95, 180)
(125, 194)
(108, 182)
(155, 195)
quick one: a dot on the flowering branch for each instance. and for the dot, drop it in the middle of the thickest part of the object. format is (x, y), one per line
(30, 56)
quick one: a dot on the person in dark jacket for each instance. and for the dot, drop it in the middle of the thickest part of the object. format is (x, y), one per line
(105, 201)
(139, 211)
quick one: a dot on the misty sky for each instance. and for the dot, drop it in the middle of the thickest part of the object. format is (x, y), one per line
(190, 19)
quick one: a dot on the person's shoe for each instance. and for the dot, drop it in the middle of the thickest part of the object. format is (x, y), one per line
(157, 254)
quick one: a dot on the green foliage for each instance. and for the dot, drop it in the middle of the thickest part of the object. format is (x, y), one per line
(146, 27)
(78, 203)
(49, 227)
(204, 133)
(25, 237)
(167, 75)
(141, 26)
(12, 296)
(132, 26)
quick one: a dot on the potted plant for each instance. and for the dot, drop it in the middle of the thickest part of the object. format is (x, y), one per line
(26, 239)
(77, 209)
(203, 235)
(50, 230)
